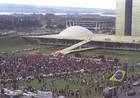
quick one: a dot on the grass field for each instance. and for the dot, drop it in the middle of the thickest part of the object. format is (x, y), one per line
(130, 56)
(9, 44)
(61, 83)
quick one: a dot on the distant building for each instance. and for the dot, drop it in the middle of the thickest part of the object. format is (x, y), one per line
(94, 26)
(78, 38)
(127, 20)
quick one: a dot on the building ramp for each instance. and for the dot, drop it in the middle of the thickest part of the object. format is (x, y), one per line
(70, 49)
(83, 49)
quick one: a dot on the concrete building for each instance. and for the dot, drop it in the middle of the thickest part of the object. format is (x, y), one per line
(94, 26)
(77, 36)
(120, 17)
(136, 18)
(124, 17)
(127, 20)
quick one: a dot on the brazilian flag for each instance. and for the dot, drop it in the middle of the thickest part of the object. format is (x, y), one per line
(118, 76)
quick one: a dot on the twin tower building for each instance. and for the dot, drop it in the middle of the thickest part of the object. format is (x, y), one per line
(128, 18)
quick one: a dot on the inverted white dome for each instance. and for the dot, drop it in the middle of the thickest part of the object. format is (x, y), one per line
(76, 31)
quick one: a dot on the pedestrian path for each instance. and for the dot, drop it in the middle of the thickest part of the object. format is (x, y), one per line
(70, 49)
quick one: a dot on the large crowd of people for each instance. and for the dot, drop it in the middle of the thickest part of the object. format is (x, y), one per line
(16, 67)
(12, 66)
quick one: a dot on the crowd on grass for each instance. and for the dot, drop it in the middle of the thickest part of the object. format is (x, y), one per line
(23, 67)
(12, 66)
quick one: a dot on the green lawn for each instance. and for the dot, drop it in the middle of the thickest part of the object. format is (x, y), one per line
(131, 56)
(9, 44)
(60, 83)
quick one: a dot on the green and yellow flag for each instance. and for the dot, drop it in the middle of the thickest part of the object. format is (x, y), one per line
(118, 76)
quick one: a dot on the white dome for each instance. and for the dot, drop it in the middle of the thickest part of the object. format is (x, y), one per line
(76, 31)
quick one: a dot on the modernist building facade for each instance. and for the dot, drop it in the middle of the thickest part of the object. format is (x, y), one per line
(127, 20)
(136, 18)
(81, 39)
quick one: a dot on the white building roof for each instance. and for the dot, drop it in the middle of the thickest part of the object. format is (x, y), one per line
(76, 31)
(81, 33)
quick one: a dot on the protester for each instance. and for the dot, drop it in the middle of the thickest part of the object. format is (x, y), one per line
(14, 68)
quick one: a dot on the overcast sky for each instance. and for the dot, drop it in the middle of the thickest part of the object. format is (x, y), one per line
(108, 4)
